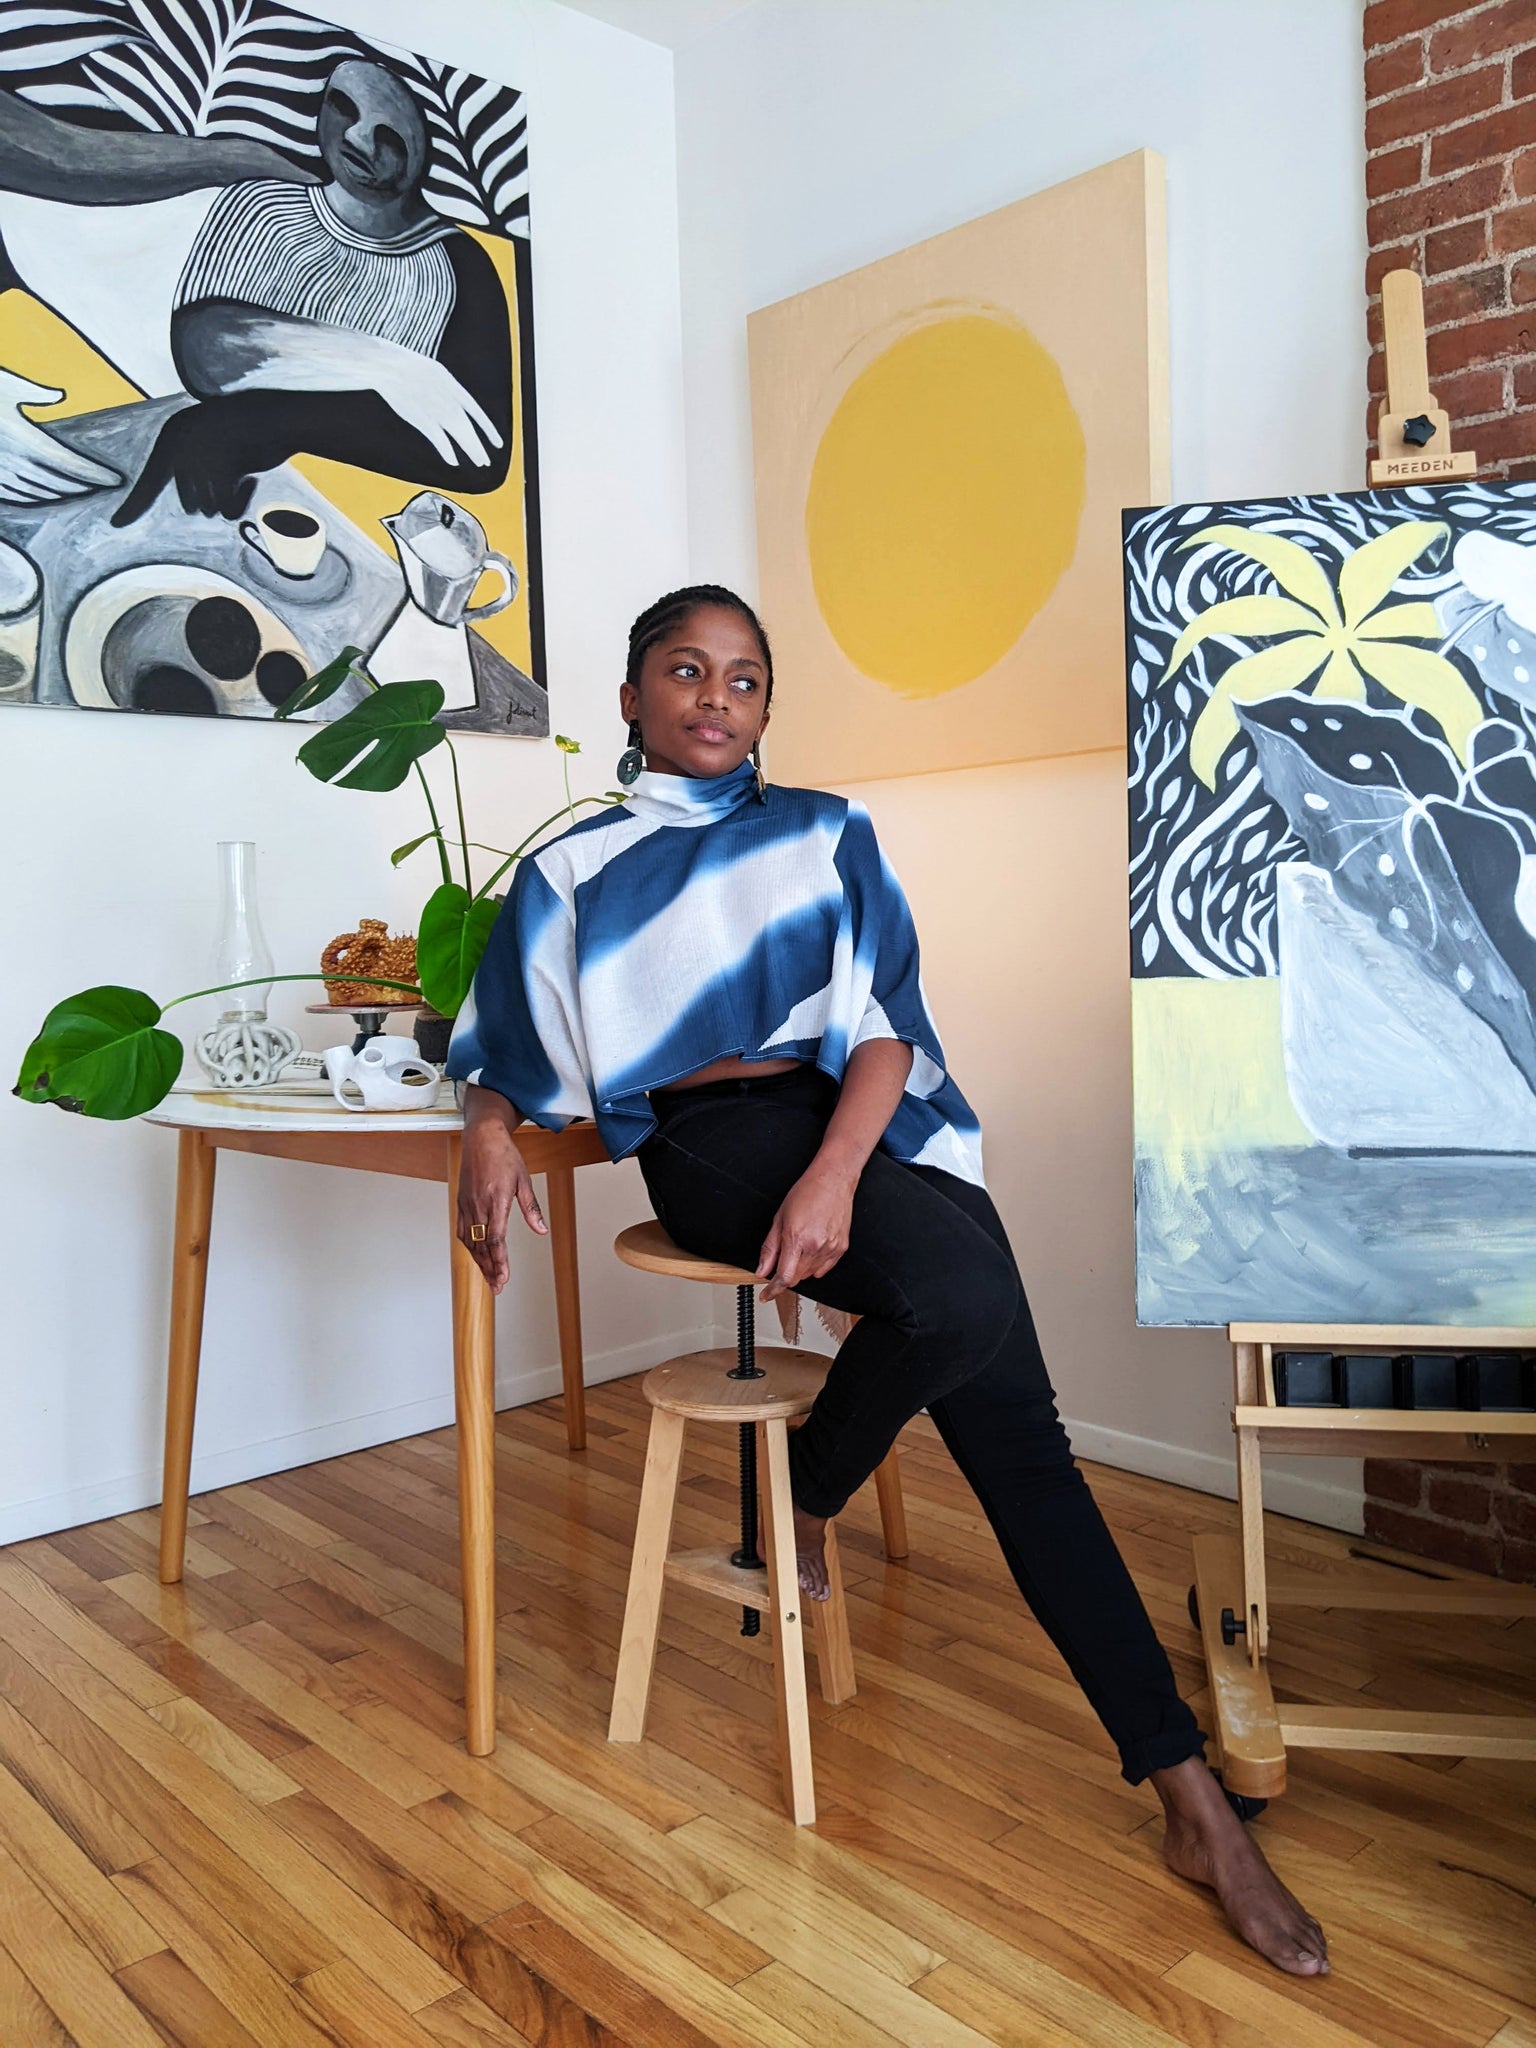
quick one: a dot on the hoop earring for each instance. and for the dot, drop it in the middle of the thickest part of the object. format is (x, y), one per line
(632, 760)
(757, 765)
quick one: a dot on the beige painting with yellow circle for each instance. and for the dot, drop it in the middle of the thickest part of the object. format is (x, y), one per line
(943, 505)
(36, 343)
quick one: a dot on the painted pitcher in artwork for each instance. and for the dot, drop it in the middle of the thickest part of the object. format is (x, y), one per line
(1333, 906)
(264, 292)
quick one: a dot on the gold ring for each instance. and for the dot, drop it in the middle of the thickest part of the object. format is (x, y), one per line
(477, 1233)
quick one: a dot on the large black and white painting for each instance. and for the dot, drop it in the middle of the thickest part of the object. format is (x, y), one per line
(1333, 903)
(266, 365)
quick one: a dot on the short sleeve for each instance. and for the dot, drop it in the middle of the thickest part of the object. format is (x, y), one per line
(520, 1030)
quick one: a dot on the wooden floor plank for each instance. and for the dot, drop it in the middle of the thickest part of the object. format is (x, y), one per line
(239, 1812)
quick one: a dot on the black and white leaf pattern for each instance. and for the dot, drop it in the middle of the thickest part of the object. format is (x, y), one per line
(256, 69)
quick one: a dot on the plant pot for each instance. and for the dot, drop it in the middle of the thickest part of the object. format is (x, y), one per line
(432, 1031)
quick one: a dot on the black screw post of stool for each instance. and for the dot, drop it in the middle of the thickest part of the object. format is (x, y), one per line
(747, 1368)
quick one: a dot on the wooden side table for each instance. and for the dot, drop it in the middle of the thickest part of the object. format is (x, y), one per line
(421, 1145)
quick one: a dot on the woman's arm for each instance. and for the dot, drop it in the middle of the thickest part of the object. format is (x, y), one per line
(492, 1176)
(51, 158)
(810, 1233)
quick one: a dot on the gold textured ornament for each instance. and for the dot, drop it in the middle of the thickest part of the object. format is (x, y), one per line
(368, 950)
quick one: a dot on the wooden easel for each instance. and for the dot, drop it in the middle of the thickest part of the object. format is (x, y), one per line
(1233, 1592)
(1413, 433)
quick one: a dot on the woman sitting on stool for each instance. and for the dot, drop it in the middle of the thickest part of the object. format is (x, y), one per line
(725, 976)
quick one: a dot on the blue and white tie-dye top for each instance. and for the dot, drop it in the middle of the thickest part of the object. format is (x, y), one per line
(701, 918)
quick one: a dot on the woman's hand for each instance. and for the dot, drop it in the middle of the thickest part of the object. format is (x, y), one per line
(810, 1233)
(492, 1177)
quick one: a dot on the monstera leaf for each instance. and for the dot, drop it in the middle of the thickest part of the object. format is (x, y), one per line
(454, 929)
(100, 1053)
(324, 683)
(1386, 812)
(381, 740)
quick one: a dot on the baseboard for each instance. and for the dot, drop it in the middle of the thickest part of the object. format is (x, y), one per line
(1338, 1504)
(44, 1513)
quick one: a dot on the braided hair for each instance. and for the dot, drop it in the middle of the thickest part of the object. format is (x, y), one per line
(668, 613)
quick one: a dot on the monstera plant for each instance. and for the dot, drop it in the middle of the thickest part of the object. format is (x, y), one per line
(104, 1052)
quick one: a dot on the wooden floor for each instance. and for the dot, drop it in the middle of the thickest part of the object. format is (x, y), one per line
(242, 1812)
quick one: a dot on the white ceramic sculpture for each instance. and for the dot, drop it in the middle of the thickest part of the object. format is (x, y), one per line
(389, 1073)
(246, 1052)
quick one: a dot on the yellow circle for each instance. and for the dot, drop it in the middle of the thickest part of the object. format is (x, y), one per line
(944, 502)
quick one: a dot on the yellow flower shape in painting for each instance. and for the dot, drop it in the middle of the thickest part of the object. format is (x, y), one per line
(1348, 634)
(944, 501)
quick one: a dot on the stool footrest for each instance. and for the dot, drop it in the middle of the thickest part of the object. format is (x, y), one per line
(709, 1571)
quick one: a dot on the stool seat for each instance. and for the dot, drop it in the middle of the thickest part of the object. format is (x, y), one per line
(648, 1247)
(698, 1385)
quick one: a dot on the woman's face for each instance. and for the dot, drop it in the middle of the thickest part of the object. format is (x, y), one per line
(701, 698)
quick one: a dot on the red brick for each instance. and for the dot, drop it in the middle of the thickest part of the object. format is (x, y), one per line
(1393, 170)
(1454, 248)
(1515, 1514)
(1522, 75)
(1486, 139)
(1451, 299)
(1459, 1500)
(1518, 1562)
(1521, 1476)
(1394, 1479)
(1386, 21)
(1399, 256)
(1481, 341)
(1373, 323)
(1514, 228)
(1522, 282)
(1391, 70)
(1473, 1550)
(1428, 108)
(1524, 392)
(1508, 439)
(1522, 175)
(1471, 395)
(1436, 205)
(1483, 34)
(1376, 371)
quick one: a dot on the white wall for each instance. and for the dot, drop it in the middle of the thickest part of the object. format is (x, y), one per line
(327, 1302)
(815, 135)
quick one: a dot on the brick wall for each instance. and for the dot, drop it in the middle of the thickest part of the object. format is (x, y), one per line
(1450, 184)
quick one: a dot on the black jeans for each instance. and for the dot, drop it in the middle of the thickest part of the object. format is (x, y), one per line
(944, 1326)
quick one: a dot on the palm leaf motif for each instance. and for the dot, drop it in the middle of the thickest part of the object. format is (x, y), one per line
(1337, 636)
(479, 132)
(258, 69)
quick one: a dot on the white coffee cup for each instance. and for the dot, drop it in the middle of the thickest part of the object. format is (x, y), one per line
(291, 538)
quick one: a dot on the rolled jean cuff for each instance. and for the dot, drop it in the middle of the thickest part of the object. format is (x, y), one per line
(1161, 1752)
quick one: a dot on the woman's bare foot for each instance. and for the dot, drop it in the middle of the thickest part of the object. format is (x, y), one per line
(1207, 1843)
(810, 1554)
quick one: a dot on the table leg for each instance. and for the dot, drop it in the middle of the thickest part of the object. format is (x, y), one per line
(189, 1283)
(560, 1199)
(474, 1395)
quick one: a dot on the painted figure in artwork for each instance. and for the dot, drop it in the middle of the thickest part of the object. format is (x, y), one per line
(345, 318)
(265, 310)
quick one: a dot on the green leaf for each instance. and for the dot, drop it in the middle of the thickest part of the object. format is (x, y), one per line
(1298, 573)
(380, 740)
(1370, 572)
(454, 930)
(404, 852)
(567, 746)
(100, 1053)
(323, 683)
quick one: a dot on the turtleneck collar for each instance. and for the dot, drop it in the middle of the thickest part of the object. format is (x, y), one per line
(692, 799)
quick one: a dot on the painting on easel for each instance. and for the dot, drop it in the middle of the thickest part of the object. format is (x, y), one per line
(1333, 906)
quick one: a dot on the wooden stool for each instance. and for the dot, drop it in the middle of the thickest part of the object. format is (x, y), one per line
(761, 1390)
